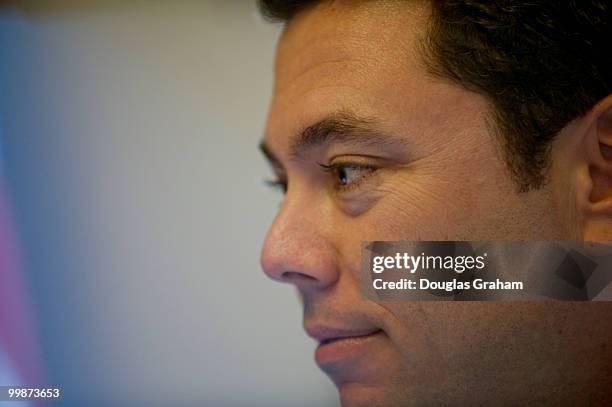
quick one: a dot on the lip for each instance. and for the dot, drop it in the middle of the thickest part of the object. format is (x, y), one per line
(339, 344)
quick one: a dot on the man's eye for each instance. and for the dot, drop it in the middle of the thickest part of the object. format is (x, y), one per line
(347, 176)
(277, 184)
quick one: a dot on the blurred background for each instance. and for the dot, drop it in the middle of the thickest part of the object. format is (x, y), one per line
(133, 208)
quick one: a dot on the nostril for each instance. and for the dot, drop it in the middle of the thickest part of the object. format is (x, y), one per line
(296, 277)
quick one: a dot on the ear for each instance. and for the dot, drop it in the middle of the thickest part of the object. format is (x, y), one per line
(595, 185)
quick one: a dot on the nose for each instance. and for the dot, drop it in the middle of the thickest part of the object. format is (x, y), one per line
(298, 248)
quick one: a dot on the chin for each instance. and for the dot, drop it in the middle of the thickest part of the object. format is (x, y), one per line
(363, 395)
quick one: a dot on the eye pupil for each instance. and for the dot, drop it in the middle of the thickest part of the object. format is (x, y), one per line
(343, 176)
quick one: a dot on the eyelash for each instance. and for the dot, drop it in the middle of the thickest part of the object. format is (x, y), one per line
(334, 168)
(278, 185)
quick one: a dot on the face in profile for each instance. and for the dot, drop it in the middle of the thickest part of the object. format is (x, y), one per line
(368, 145)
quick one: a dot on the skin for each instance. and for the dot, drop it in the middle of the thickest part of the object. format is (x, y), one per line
(442, 177)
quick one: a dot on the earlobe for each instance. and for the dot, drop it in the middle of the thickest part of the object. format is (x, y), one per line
(597, 210)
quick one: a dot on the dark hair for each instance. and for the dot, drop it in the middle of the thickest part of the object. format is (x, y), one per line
(540, 63)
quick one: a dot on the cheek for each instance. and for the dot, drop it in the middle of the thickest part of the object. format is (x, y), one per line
(445, 342)
(460, 192)
(455, 342)
(415, 336)
(425, 206)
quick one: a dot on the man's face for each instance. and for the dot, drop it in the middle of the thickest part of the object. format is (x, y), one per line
(374, 148)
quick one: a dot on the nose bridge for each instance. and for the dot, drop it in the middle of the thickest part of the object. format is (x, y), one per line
(298, 248)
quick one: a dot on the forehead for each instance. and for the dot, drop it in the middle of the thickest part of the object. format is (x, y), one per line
(369, 34)
(362, 56)
(365, 57)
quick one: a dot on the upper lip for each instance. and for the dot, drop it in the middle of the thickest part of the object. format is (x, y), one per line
(327, 333)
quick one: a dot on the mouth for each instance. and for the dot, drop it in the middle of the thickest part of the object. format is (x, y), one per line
(328, 341)
(342, 345)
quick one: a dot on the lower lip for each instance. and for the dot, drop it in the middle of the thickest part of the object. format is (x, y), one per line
(345, 348)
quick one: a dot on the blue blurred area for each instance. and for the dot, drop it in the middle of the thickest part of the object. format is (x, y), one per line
(35, 149)
(129, 148)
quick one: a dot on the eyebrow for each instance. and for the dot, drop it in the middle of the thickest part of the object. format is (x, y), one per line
(343, 127)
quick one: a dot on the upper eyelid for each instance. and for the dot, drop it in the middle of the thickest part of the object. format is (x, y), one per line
(335, 166)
